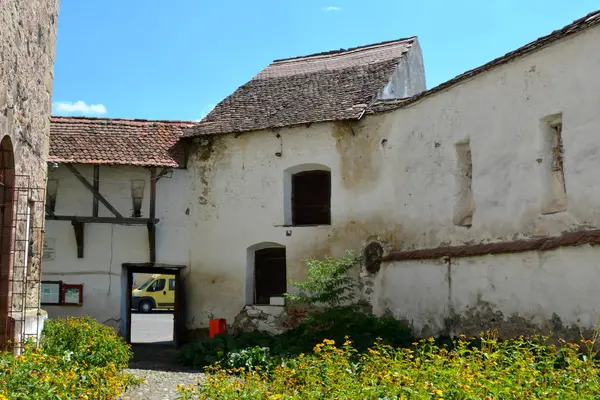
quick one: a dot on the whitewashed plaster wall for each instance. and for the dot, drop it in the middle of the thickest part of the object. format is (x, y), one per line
(234, 200)
(409, 77)
(393, 181)
(501, 114)
(106, 246)
(554, 291)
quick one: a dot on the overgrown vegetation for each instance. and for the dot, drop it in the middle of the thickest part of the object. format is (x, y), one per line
(335, 323)
(513, 369)
(327, 284)
(343, 353)
(79, 358)
(87, 341)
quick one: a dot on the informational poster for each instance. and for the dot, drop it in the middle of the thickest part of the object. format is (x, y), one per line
(51, 292)
(72, 295)
(49, 249)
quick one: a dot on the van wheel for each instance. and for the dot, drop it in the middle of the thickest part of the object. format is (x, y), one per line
(145, 306)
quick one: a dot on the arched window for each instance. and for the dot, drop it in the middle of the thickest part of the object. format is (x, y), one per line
(307, 195)
(266, 273)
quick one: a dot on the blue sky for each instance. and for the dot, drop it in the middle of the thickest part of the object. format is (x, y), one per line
(175, 59)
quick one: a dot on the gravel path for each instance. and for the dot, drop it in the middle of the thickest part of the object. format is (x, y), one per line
(157, 365)
(160, 385)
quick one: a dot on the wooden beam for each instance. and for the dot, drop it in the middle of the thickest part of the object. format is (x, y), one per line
(102, 220)
(97, 189)
(78, 227)
(49, 212)
(151, 226)
(153, 193)
(152, 241)
(89, 186)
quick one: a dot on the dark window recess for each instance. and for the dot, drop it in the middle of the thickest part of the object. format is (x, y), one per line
(311, 198)
(158, 285)
(269, 274)
(171, 284)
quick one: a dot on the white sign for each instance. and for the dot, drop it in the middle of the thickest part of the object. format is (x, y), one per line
(72, 296)
(50, 292)
(49, 249)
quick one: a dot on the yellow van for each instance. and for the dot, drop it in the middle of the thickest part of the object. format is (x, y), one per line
(158, 292)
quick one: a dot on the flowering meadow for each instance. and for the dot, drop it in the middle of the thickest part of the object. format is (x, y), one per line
(512, 369)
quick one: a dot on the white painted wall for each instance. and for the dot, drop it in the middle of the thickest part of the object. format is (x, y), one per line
(531, 286)
(501, 112)
(409, 77)
(393, 179)
(106, 246)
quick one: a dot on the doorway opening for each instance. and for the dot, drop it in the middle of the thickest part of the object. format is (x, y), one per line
(152, 304)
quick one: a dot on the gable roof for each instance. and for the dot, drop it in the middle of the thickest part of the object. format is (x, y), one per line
(329, 86)
(82, 140)
(577, 26)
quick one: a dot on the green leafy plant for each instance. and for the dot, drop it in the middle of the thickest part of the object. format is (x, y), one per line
(79, 359)
(327, 282)
(511, 369)
(85, 340)
(335, 323)
(339, 323)
(248, 359)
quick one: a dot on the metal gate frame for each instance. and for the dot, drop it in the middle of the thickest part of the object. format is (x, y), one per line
(24, 259)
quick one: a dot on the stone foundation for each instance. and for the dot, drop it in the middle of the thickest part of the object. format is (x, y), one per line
(271, 319)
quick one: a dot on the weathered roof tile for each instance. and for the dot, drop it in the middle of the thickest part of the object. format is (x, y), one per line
(328, 86)
(85, 140)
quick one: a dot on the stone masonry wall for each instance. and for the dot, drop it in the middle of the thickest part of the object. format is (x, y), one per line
(27, 51)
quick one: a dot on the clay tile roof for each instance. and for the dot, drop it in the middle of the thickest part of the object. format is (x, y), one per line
(575, 27)
(84, 140)
(336, 85)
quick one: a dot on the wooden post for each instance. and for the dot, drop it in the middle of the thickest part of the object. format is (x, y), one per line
(78, 228)
(97, 189)
(151, 225)
(152, 241)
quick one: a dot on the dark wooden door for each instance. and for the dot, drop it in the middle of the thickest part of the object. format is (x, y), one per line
(269, 274)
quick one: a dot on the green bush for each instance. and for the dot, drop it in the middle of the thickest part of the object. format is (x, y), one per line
(327, 282)
(85, 340)
(211, 351)
(341, 322)
(249, 359)
(79, 359)
(335, 323)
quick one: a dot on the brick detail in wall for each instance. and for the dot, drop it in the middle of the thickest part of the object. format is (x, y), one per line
(514, 246)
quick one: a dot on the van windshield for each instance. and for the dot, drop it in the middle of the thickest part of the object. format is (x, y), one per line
(143, 285)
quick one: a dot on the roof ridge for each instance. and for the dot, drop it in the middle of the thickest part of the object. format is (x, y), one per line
(62, 119)
(344, 51)
(577, 26)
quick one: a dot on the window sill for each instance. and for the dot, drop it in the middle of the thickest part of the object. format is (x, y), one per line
(301, 226)
(261, 305)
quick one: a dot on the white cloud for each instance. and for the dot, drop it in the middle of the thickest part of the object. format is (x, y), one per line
(332, 8)
(78, 107)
